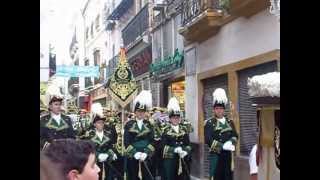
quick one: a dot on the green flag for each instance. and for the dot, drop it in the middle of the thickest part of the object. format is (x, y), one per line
(122, 86)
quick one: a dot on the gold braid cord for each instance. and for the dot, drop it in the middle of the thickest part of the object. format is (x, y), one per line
(180, 167)
(140, 172)
(122, 86)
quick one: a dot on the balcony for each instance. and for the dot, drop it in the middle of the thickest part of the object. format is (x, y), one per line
(136, 27)
(210, 15)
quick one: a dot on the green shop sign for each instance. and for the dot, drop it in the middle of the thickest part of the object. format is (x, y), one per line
(168, 64)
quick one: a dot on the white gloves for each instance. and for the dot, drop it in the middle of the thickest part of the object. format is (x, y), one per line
(140, 156)
(228, 146)
(182, 154)
(137, 155)
(103, 157)
(115, 157)
(178, 150)
(143, 156)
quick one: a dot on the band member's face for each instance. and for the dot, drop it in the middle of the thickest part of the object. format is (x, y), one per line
(140, 114)
(82, 114)
(90, 170)
(55, 107)
(99, 125)
(175, 120)
(218, 111)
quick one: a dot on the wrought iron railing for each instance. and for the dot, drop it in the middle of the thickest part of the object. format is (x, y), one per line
(138, 25)
(193, 8)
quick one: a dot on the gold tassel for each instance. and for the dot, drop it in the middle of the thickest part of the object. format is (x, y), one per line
(232, 161)
(180, 167)
(140, 172)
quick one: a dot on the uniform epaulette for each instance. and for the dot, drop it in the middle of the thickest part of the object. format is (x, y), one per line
(207, 120)
(229, 120)
(152, 121)
(89, 133)
(165, 127)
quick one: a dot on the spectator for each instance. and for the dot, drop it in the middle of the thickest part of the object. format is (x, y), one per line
(74, 159)
(253, 164)
(49, 170)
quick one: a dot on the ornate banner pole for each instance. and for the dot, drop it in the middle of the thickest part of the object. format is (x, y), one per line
(123, 89)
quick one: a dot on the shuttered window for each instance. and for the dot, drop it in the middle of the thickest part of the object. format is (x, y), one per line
(248, 113)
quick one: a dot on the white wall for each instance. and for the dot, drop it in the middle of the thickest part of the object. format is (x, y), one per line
(191, 95)
(240, 39)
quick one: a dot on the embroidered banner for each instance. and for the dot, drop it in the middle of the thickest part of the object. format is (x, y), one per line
(122, 85)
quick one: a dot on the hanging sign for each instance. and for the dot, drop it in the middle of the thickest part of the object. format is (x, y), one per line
(77, 71)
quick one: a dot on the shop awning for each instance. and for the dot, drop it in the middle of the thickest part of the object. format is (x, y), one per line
(120, 10)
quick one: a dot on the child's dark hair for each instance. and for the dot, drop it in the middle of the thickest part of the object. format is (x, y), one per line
(70, 154)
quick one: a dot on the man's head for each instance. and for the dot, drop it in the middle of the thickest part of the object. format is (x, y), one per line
(83, 113)
(220, 100)
(75, 159)
(55, 105)
(175, 120)
(218, 111)
(140, 113)
(99, 123)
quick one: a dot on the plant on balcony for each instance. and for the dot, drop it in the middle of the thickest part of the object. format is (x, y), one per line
(224, 5)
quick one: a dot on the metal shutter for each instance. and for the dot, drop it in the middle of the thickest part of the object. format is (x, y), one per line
(209, 86)
(248, 114)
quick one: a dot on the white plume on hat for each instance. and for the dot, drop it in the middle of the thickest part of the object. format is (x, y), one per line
(96, 109)
(144, 98)
(52, 91)
(219, 96)
(265, 85)
(173, 105)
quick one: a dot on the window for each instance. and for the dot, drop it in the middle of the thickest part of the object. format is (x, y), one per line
(96, 59)
(76, 62)
(97, 23)
(91, 30)
(86, 62)
(87, 80)
(87, 33)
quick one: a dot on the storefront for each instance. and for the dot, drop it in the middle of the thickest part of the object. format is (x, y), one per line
(233, 78)
(99, 95)
(168, 79)
(84, 100)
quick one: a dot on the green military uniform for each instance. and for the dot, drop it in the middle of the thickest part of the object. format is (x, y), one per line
(104, 145)
(138, 140)
(83, 126)
(177, 148)
(157, 157)
(51, 130)
(216, 134)
(119, 163)
(174, 166)
(187, 124)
